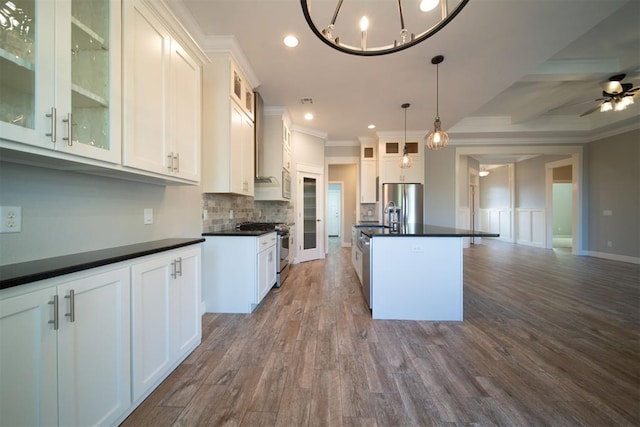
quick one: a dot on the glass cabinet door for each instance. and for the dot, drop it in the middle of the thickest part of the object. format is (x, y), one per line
(89, 126)
(26, 65)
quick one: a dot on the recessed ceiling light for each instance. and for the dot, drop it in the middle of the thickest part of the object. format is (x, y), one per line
(290, 41)
(371, 126)
(308, 116)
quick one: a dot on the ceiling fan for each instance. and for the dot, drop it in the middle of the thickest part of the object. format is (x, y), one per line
(615, 95)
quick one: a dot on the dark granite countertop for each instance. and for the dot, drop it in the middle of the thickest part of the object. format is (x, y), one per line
(32, 271)
(234, 232)
(424, 230)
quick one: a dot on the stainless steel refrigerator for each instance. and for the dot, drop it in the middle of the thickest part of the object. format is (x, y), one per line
(407, 198)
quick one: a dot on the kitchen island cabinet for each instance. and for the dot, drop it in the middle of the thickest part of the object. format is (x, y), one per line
(417, 273)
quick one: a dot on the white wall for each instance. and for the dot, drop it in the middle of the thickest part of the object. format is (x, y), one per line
(67, 212)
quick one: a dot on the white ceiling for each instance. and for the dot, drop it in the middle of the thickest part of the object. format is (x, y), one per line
(515, 71)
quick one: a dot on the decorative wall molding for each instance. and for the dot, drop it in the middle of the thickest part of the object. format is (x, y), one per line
(497, 220)
(531, 227)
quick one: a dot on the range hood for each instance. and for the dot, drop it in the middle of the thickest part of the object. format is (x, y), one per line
(258, 128)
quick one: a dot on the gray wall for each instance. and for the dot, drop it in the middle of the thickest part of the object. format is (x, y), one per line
(612, 167)
(494, 189)
(530, 181)
(439, 188)
(68, 212)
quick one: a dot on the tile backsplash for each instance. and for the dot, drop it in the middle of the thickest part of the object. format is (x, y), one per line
(218, 207)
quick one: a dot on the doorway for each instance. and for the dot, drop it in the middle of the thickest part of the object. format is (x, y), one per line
(561, 205)
(334, 209)
(310, 224)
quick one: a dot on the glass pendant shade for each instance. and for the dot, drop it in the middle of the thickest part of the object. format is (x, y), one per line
(405, 161)
(438, 139)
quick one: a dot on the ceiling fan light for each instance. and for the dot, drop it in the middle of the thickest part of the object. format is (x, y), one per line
(619, 106)
(614, 87)
(483, 173)
(627, 100)
(606, 106)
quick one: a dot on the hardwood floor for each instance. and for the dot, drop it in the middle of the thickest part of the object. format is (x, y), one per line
(549, 339)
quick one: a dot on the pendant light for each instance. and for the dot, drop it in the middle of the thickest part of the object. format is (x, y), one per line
(438, 139)
(406, 161)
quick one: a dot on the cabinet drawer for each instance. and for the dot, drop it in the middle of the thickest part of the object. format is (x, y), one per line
(266, 241)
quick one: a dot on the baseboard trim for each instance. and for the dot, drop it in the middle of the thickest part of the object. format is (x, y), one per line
(614, 257)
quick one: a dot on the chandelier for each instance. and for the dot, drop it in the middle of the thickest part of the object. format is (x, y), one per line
(366, 23)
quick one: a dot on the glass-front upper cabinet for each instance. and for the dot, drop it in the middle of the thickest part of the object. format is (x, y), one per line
(62, 75)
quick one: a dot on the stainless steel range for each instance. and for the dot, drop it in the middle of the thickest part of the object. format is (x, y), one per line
(285, 243)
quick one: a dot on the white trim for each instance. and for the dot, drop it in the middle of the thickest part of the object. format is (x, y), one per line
(311, 132)
(613, 257)
(230, 45)
(531, 228)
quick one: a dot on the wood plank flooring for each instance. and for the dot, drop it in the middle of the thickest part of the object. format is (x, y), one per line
(549, 339)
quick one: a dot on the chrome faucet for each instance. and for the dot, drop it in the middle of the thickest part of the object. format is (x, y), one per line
(392, 211)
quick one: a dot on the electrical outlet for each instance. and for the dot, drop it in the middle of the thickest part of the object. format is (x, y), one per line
(205, 214)
(230, 213)
(148, 216)
(11, 217)
(610, 244)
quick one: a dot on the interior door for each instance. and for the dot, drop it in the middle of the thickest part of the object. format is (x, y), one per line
(333, 210)
(310, 216)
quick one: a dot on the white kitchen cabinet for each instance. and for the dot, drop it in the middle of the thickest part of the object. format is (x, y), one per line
(60, 74)
(238, 271)
(368, 175)
(390, 170)
(73, 368)
(166, 320)
(227, 131)
(162, 107)
(28, 362)
(274, 156)
(267, 267)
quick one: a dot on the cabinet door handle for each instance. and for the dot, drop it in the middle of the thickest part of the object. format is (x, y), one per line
(72, 306)
(54, 120)
(179, 266)
(54, 322)
(177, 159)
(69, 137)
(174, 269)
(170, 165)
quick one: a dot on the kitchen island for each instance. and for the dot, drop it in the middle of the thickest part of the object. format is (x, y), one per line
(416, 273)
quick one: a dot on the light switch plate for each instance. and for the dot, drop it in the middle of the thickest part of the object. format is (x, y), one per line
(148, 216)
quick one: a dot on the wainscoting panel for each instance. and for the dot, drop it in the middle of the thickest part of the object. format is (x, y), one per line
(531, 224)
(497, 221)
